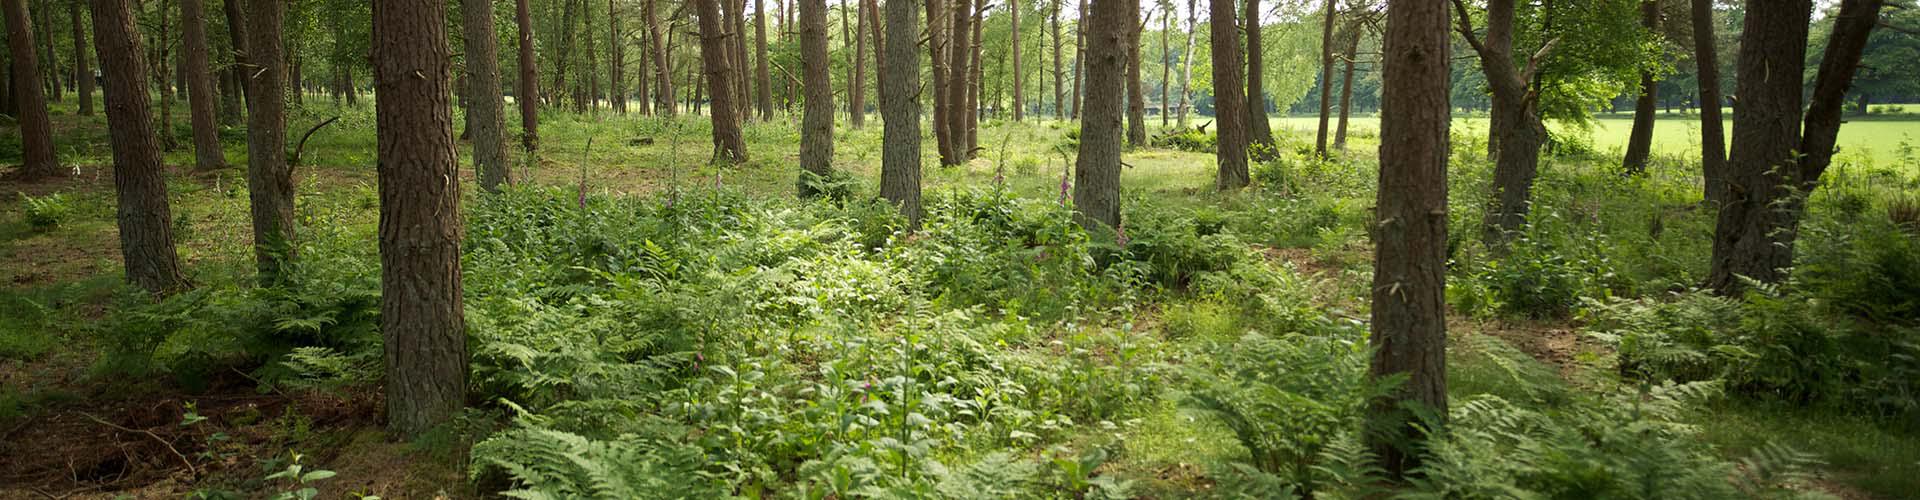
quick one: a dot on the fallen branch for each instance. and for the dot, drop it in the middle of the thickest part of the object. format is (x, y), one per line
(302, 147)
(156, 437)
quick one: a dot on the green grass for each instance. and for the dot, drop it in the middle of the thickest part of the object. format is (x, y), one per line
(1879, 458)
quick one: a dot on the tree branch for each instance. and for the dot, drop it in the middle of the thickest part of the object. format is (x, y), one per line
(1466, 26)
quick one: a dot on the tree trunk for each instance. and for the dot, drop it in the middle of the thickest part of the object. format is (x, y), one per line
(163, 48)
(879, 51)
(1096, 173)
(587, 90)
(1326, 80)
(616, 60)
(82, 77)
(728, 145)
(237, 34)
(1059, 87)
(1514, 119)
(50, 64)
(36, 128)
(975, 71)
(1186, 62)
(1346, 86)
(269, 178)
(527, 91)
(563, 59)
(900, 114)
(1409, 334)
(764, 99)
(663, 71)
(1079, 59)
(816, 129)
(938, 50)
(207, 151)
(643, 68)
(958, 75)
(1229, 101)
(1259, 132)
(1760, 218)
(1019, 86)
(1640, 139)
(1863, 104)
(1166, 67)
(485, 109)
(420, 228)
(139, 180)
(1136, 96)
(856, 68)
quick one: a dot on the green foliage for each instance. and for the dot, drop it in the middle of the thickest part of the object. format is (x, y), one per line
(1536, 278)
(1187, 139)
(1288, 399)
(46, 212)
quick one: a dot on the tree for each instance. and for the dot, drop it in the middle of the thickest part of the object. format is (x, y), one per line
(1409, 332)
(1079, 58)
(269, 177)
(816, 127)
(1166, 63)
(420, 228)
(1713, 146)
(1136, 96)
(1019, 88)
(872, 8)
(1186, 61)
(728, 145)
(1059, 89)
(485, 109)
(616, 60)
(1326, 80)
(36, 129)
(1773, 166)
(937, 50)
(958, 75)
(1260, 133)
(663, 72)
(81, 75)
(144, 215)
(527, 90)
(1346, 83)
(207, 152)
(1640, 139)
(1096, 172)
(45, 37)
(1229, 102)
(764, 100)
(856, 67)
(237, 35)
(900, 114)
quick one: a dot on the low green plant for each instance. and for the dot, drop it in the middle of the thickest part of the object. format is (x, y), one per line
(46, 212)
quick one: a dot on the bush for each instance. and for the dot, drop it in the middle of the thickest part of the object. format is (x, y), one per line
(46, 212)
(1187, 139)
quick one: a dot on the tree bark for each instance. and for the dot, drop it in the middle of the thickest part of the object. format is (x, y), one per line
(1409, 334)
(527, 87)
(1326, 80)
(857, 67)
(728, 145)
(1166, 66)
(237, 34)
(816, 129)
(900, 114)
(486, 112)
(663, 70)
(269, 178)
(144, 216)
(36, 128)
(1229, 101)
(958, 76)
(1096, 172)
(207, 151)
(1259, 132)
(616, 62)
(162, 50)
(1059, 87)
(1136, 96)
(973, 88)
(876, 23)
(82, 77)
(938, 50)
(1640, 139)
(1346, 86)
(764, 99)
(1019, 86)
(1847, 44)
(1514, 119)
(420, 227)
(1079, 59)
(1186, 62)
(50, 63)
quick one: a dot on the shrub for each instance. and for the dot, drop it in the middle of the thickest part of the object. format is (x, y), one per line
(1187, 139)
(1288, 399)
(46, 212)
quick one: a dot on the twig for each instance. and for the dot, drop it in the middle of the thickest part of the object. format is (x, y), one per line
(156, 437)
(302, 147)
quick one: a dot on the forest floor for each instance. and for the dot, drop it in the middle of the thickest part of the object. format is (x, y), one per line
(71, 429)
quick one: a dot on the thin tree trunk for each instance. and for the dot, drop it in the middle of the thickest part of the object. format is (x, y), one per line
(82, 77)
(1096, 172)
(1229, 101)
(1259, 132)
(527, 91)
(269, 177)
(486, 114)
(764, 99)
(616, 55)
(145, 218)
(50, 68)
(1136, 96)
(1409, 334)
(1186, 62)
(958, 76)
(563, 60)
(975, 71)
(420, 228)
(1326, 80)
(728, 145)
(900, 114)
(36, 128)
(1019, 85)
(816, 129)
(1166, 66)
(663, 71)
(1346, 85)
(877, 24)
(1640, 139)
(163, 49)
(856, 69)
(207, 151)
(937, 50)
(1059, 87)
(237, 34)
(1079, 59)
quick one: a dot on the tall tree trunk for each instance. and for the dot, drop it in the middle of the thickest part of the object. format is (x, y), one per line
(1166, 65)
(1514, 119)
(237, 34)
(900, 114)
(486, 112)
(82, 76)
(36, 128)
(1096, 172)
(728, 145)
(1229, 101)
(1326, 80)
(856, 69)
(879, 51)
(1760, 217)
(1079, 59)
(420, 228)
(764, 99)
(737, 36)
(1259, 132)
(1640, 139)
(1346, 85)
(663, 69)
(527, 86)
(938, 49)
(1409, 333)
(1136, 96)
(1059, 87)
(139, 180)
(51, 64)
(816, 129)
(1019, 86)
(1186, 62)
(269, 178)
(958, 75)
(563, 58)
(973, 88)
(587, 89)
(207, 151)
(616, 59)
(163, 50)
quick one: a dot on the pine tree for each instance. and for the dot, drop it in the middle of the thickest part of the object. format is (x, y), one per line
(145, 217)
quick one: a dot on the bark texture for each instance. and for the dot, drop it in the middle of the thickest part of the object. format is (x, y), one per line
(1136, 95)
(1409, 335)
(1514, 119)
(36, 129)
(1640, 139)
(1096, 172)
(816, 127)
(1019, 87)
(1186, 62)
(663, 71)
(728, 145)
(207, 151)
(486, 111)
(958, 75)
(82, 75)
(527, 92)
(269, 177)
(1326, 80)
(140, 183)
(900, 113)
(1713, 141)
(1229, 100)
(420, 227)
(764, 99)
(1259, 132)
